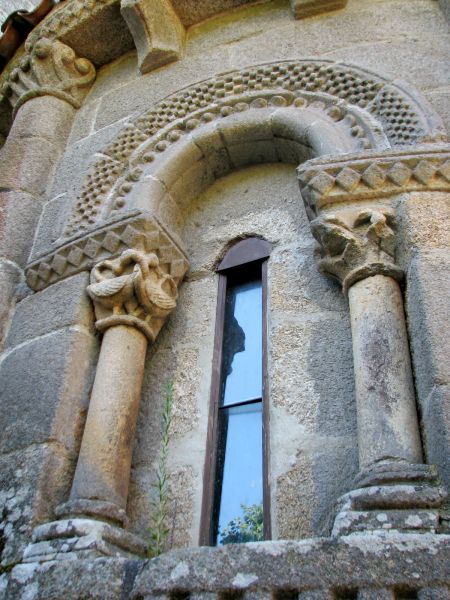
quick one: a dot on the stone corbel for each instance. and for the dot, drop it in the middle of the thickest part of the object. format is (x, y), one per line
(157, 32)
(309, 8)
(49, 68)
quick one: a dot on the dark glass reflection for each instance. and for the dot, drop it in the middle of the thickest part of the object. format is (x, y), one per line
(239, 484)
(242, 347)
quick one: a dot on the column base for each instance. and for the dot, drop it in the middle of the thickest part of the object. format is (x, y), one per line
(392, 496)
(82, 538)
(98, 509)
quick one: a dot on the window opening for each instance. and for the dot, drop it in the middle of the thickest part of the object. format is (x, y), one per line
(236, 489)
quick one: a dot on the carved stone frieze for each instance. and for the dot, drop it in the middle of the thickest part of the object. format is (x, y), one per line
(132, 290)
(137, 231)
(376, 175)
(50, 68)
(356, 244)
(345, 91)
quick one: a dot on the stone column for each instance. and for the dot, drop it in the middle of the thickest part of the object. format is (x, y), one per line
(394, 491)
(44, 91)
(132, 296)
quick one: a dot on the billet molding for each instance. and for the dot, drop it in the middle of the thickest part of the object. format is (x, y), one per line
(375, 175)
(137, 231)
(356, 244)
(132, 290)
(51, 68)
(394, 111)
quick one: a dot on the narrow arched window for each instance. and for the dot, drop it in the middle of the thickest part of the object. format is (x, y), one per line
(236, 495)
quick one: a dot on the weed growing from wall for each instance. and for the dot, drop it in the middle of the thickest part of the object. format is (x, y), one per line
(158, 529)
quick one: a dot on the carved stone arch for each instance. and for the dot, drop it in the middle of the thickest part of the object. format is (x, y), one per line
(368, 111)
(354, 135)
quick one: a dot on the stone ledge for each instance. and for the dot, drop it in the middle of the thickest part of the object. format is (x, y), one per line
(313, 568)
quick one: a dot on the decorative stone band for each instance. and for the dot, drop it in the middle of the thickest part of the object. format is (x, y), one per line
(49, 68)
(137, 231)
(132, 290)
(357, 244)
(363, 104)
(373, 175)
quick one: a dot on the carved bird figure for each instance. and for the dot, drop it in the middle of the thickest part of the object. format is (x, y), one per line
(111, 292)
(156, 290)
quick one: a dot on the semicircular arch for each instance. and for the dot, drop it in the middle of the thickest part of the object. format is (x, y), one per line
(288, 112)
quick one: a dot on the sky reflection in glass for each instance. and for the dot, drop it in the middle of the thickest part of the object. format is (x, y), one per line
(242, 473)
(240, 456)
(242, 343)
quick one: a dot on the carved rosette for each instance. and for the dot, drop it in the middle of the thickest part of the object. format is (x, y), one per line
(132, 290)
(356, 244)
(49, 68)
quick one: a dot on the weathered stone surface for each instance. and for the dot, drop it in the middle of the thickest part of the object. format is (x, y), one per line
(10, 276)
(81, 538)
(436, 430)
(46, 118)
(387, 417)
(30, 162)
(428, 314)
(32, 482)
(313, 568)
(50, 226)
(308, 8)
(103, 467)
(422, 221)
(19, 214)
(55, 404)
(320, 347)
(64, 304)
(445, 7)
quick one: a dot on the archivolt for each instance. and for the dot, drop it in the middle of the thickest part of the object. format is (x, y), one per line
(288, 112)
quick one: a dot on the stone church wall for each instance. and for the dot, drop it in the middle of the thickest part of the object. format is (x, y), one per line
(51, 347)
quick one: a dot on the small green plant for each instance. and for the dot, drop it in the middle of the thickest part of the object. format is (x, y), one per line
(158, 529)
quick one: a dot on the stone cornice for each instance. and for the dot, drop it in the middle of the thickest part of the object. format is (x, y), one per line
(137, 231)
(51, 68)
(329, 181)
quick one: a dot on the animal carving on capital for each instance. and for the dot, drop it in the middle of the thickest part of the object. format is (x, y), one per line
(132, 290)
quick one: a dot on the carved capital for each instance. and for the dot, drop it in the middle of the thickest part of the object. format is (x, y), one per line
(357, 244)
(132, 290)
(50, 68)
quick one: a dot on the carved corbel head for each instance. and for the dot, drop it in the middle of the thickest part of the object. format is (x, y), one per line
(356, 244)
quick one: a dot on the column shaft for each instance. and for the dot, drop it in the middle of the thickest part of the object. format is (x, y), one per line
(386, 410)
(103, 468)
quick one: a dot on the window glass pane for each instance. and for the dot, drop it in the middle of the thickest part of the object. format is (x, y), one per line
(242, 344)
(240, 455)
